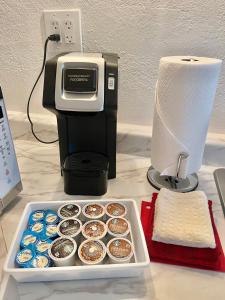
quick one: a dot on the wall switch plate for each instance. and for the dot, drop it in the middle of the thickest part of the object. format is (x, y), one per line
(67, 23)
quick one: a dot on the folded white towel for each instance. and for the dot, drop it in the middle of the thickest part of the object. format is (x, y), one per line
(183, 219)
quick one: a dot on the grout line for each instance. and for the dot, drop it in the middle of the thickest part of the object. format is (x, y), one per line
(6, 248)
(4, 254)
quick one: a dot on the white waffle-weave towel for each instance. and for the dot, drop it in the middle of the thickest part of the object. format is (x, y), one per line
(183, 219)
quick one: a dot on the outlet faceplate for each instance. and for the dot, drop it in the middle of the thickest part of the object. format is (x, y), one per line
(68, 28)
(68, 24)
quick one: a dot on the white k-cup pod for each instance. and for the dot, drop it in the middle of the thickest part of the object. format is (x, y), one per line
(115, 209)
(69, 210)
(118, 227)
(120, 251)
(93, 211)
(70, 227)
(62, 251)
(94, 230)
(92, 252)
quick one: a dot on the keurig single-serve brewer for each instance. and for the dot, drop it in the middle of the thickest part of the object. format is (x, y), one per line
(81, 90)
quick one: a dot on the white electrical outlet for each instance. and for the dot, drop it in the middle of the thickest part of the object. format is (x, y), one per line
(67, 23)
(55, 27)
(68, 29)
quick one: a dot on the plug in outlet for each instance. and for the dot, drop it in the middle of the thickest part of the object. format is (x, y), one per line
(55, 27)
(67, 23)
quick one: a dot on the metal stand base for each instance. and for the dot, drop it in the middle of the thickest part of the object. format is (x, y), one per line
(172, 183)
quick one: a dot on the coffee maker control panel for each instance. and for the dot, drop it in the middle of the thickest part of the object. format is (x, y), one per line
(80, 82)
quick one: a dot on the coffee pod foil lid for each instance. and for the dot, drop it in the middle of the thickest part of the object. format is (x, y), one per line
(118, 226)
(94, 229)
(93, 210)
(120, 249)
(42, 246)
(38, 227)
(69, 210)
(41, 261)
(51, 217)
(62, 248)
(24, 257)
(92, 251)
(51, 232)
(69, 227)
(36, 216)
(116, 209)
(29, 239)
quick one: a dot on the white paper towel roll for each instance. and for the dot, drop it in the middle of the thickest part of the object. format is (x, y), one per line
(184, 96)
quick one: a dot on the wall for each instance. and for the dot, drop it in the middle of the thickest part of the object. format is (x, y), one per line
(140, 31)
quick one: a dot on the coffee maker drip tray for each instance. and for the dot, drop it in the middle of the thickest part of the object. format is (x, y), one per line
(85, 173)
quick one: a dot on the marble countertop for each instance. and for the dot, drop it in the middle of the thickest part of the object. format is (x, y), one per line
(39, 166)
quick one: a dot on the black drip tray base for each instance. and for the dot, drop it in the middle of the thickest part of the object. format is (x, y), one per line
(85, 173)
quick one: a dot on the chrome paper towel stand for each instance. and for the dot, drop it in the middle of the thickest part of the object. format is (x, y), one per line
(174, 183)
(181, 81)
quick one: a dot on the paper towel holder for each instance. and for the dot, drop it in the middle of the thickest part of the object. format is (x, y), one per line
(174, 183)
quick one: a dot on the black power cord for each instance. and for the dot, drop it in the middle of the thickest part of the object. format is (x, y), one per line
(55, 38)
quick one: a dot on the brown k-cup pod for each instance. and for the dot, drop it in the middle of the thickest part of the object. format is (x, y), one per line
(94, 230)
(62, 251)
(92, 252)
(70, 227)
(93, 211)
(118, 227)
(69, 210)
(119, 250)
(116, 209)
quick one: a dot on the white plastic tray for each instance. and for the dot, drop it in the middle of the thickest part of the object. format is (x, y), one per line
(80, 272)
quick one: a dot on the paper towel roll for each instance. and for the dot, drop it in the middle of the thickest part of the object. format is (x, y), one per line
(184, 96)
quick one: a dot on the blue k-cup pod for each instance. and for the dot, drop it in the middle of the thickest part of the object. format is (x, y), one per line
(41, 261)
(38, 228)
(51, 217)
(42, 246)
(51, 232)
(36, 216)
(24, 257)
(29, 239)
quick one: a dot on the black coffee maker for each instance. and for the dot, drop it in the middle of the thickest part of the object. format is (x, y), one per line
(81, 90)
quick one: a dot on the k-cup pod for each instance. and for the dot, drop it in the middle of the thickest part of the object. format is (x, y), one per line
(118, 227)
(119, 250)
(38, 228)
(116, 209)
(70, 227)
(24, 257)
(51, 217)
(93, 211)
(92, 252)
(62, 251)
(94, 230)
(36, 216)
(69, 210)
(41, 261)
(42, 246)
(51, 232)
(29, 239)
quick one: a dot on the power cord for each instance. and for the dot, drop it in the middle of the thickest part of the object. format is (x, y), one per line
(55, 38)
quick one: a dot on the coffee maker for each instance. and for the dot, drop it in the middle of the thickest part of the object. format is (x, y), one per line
(81, 90)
